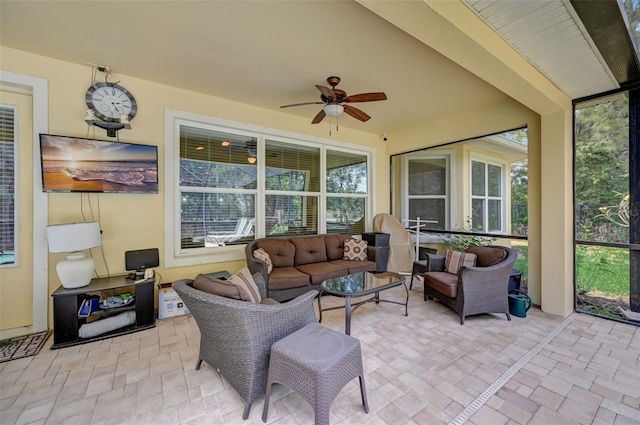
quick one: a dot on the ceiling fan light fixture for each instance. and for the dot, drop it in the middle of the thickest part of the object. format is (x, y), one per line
(333, 109)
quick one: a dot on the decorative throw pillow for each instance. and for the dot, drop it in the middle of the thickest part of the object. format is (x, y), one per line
(263, 255)
(355, 250)
(240, 286)
(248, 289)
(456, 260)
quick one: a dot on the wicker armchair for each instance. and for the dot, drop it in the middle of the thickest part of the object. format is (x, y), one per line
(236, 336)
(476, 290)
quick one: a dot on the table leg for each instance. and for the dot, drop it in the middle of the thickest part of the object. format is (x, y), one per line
(320, 306)
(406, 302)
(347, 312)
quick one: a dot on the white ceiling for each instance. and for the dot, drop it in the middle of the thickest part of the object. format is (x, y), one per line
(269, 54)
(551, 37)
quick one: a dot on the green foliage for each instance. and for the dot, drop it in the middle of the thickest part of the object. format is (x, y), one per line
(462, 242)
(522, 262)
(618, 214)
(519, 186)
(602, 152)
(602, 269)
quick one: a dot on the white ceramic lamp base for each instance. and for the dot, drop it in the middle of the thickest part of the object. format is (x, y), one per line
(76, 271)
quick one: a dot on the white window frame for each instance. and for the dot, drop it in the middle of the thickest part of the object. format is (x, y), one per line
(487, 160)
(175, 256)
(450, 208)
(16, 188)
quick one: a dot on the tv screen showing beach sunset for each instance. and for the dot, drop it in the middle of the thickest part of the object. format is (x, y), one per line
(71, 164)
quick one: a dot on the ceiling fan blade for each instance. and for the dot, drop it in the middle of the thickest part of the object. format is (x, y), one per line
(319, 117)
(300, 104)
(366, 97)
(356, 113)
(327, 92)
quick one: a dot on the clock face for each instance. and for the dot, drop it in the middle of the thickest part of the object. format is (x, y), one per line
(110, 101)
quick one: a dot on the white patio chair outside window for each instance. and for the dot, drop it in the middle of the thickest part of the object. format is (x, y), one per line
(244, 228)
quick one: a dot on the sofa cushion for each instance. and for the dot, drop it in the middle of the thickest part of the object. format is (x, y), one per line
(335, 246)
(269, 301)
(281, 252)
(455, 260)
(239, 286)
(320, 272)
(443, 282)
(356, 266)
(310, 250)
(287, 278)
(487, 255)
(263, 255)
(355, 250)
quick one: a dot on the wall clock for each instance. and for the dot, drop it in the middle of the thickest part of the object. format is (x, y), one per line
(109, 102)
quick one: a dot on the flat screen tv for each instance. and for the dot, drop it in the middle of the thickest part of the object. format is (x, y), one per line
(74, 164)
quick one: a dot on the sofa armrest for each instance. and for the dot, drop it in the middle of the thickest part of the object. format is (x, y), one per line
(254, 265)
(379, 254)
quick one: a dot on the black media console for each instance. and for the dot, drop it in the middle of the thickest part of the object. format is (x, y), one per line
(66, 303)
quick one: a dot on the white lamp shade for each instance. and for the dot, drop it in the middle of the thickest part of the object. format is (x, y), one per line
(73, 236)
(333, 109)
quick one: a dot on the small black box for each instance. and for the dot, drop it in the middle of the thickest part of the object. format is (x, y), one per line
(376, 238)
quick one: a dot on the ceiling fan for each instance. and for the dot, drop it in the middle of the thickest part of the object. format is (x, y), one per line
(336, 101)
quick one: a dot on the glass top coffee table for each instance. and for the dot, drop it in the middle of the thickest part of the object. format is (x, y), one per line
(359, 285)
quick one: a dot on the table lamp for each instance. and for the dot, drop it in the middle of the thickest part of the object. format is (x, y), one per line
(76, 271)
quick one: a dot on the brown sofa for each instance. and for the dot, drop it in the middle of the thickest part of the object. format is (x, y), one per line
(300, 263)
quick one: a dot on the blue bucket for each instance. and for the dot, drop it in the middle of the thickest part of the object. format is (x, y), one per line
(519, 302)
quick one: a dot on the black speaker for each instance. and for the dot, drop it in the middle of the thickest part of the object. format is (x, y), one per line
(141, 259)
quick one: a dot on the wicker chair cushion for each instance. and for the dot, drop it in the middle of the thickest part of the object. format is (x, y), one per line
(241, 286)
(310, 250)
(281, 252)
(223, 288)
(443, 282)
(488, 255)
(263, 255)
(269, 301)
(455, 260)
(355, 250)
(335, 246)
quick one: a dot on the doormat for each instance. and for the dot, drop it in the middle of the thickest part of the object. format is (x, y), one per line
(22, 346)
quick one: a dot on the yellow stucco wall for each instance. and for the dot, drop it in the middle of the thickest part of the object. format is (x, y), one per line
(137, 221)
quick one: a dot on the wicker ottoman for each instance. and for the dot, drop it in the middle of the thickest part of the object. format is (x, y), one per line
(316, 362)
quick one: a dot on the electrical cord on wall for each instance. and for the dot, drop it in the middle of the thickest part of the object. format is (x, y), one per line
(84, 218)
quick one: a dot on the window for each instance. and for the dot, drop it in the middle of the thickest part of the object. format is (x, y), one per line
(347, 184)
(427, 186)
(292, 188)
(487, 196)
(217, 188)
(230, 183)
(8, 175)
